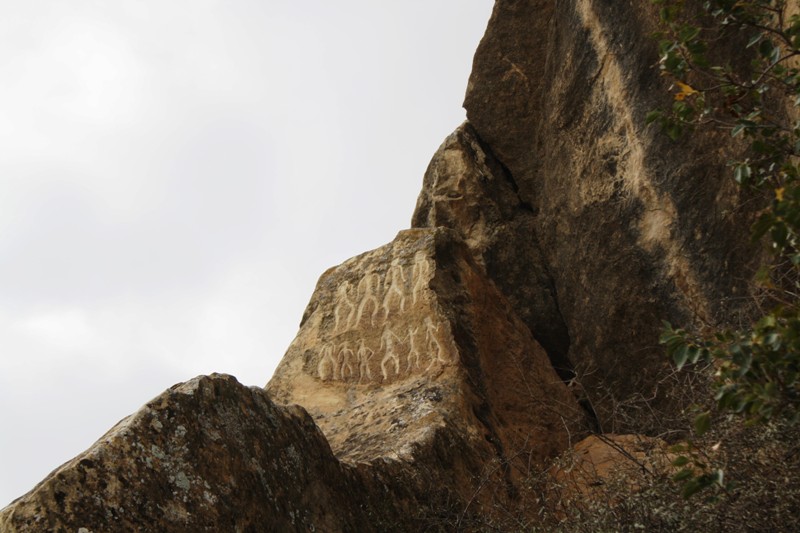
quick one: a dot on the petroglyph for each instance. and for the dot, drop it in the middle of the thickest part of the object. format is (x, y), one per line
(382, 328)
(351, 360)
(420, 273)
(364, 354)
(328, 360)
(433, 344)
(368, 287)
(395, 287)
(343, 305)
(346, 357)
(413, 358)
(387, 340)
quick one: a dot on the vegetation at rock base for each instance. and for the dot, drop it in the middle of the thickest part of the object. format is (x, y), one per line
(762, 465)
(756, 368)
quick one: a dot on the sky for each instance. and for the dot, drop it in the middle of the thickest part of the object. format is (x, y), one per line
(175, 177)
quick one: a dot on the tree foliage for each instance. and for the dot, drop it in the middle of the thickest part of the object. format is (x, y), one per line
(754, 94)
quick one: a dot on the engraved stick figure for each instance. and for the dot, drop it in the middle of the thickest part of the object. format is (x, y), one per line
(367, 287)
(345, 357)
(432, 341)
(413, 352)
(395, 282)
(420, 274)
(343, 301)
(364, 354)
(390, 354)
(327, 357)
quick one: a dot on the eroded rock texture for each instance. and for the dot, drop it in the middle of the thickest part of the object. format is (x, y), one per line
(409, 346)
(467, 189)
(553, 233)
(623, 227)
(434, 399)
(206, 455)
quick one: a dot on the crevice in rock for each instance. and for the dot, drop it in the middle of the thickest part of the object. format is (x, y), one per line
(557, 349)
(556, 346)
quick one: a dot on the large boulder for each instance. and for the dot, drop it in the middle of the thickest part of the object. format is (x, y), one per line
(626, 228)
(410, 346)
(206, 455)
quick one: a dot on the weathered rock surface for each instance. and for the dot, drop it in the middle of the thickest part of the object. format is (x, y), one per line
(465, 188)
(434, 399)
(206, 455)
(409, 346)
(588, 470)
(553, 233)
(626, 228)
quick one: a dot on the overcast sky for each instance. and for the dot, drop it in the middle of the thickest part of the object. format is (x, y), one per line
(175, 176)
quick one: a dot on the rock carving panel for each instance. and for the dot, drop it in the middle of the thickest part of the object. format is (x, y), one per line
(382, 326)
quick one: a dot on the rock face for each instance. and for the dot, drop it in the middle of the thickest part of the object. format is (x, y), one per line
(465, 188)
(587, 472)
(553, 233)
(625, 228)
(206, 455)
(432, 395)
(410, 346)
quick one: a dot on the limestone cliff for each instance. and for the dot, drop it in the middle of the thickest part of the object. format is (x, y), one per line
(435, 374)
(629, 227)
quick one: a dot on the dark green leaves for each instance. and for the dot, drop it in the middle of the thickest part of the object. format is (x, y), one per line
(702, 423)
(756, 368)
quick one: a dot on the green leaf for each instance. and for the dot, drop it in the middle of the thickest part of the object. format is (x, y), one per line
(741, 173)
(684, 474)
(762, 225)
(694, 354)
(702, 423)
(674, 131)
(680, 356)
(688, 33)
(653, 116)
(766, 48)
(779, 233)
(753, 40)
(691, 488)
(679, 448)
(681, 461)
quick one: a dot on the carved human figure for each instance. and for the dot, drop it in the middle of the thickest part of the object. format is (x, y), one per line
(413, 351)
(345, 308)
(363, 355)
(420, 274)
(432, 342)
(388, 339)
(367, 289)
(394, 285)
(346, 357)
(328, 360)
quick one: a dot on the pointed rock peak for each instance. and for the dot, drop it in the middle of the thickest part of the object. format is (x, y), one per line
(468, 190)
(412, 339)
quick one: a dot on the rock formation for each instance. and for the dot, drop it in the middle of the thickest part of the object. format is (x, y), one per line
(630, 228)
(553, 233)
(206, 455)
(428, 388)
(409, 346)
